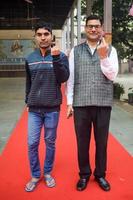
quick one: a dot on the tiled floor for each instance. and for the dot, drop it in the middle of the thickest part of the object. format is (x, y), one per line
(12, 105)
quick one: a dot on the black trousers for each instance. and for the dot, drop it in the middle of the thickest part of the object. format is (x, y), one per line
(84, 119)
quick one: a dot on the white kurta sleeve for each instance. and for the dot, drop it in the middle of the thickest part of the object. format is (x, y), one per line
(109, 65)
(70, 82)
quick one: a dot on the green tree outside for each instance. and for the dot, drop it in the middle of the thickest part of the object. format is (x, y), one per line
(122, 25)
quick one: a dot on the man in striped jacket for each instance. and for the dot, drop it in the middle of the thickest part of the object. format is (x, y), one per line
(46, 68)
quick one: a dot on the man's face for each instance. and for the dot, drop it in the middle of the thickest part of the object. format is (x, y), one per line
(93, 30)
(43, 38)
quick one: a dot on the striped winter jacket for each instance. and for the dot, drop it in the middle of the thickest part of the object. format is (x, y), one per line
(44, 76)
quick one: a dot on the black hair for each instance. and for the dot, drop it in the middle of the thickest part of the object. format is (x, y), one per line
(42, 24)
(95, 17)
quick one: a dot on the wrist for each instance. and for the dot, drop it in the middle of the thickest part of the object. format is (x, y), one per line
(56, 57)
(103, 57)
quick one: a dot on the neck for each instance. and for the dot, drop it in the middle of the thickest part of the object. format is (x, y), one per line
(44, 50)
(92, 43)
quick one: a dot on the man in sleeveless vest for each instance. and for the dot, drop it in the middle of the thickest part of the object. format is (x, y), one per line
(93, 67)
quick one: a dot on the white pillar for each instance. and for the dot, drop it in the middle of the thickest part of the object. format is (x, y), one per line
(78, 21)
(72, 28)
(68, 34)
(62, 40)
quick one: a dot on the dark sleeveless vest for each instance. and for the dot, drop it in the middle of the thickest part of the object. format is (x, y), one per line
(91, 87)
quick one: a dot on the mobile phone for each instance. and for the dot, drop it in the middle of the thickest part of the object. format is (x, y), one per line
(53, 44)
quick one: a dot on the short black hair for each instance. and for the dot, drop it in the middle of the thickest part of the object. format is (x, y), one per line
(95, 17)
(43, 24)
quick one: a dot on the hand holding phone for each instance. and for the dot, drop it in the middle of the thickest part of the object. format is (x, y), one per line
(69, 111)
(53, 44)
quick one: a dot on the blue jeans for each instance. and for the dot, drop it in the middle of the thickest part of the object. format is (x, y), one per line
(35, 123)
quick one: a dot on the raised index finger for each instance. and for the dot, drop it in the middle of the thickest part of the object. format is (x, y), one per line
(103, 41)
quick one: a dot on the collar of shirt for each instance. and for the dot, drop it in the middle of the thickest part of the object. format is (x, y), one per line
(92, 48)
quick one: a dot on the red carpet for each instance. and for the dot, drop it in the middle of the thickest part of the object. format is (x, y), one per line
(15, 170)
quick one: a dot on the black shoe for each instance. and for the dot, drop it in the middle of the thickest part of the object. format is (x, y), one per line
(103, 183)
(82, 184)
